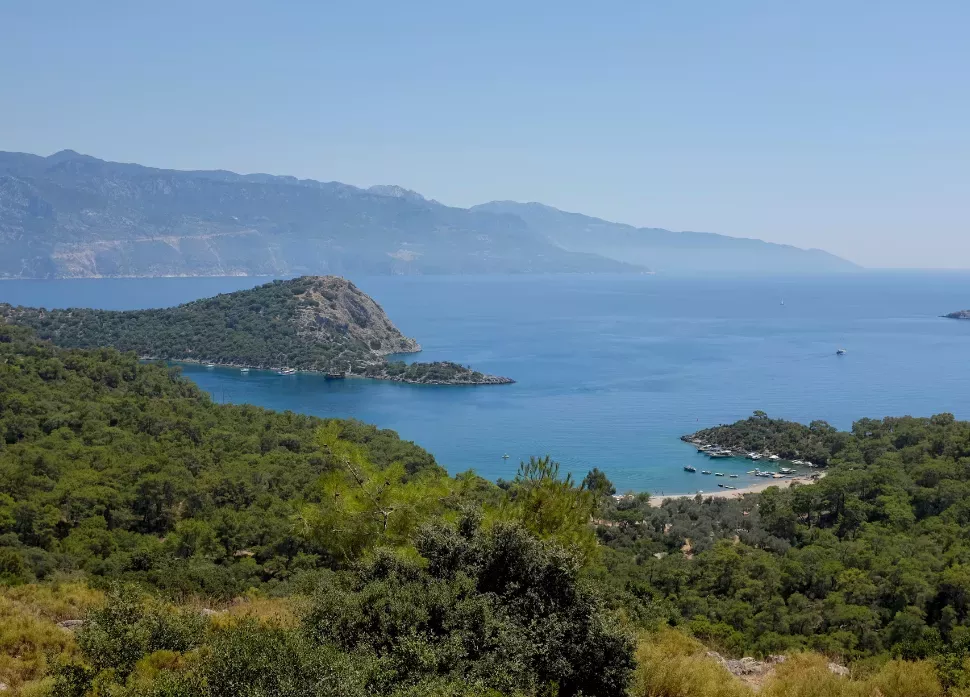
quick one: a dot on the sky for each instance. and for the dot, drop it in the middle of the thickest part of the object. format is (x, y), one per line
(843, 125)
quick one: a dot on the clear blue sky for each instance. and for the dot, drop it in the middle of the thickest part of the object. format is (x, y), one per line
(836, 124)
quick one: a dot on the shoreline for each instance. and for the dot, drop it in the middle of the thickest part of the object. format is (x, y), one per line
(489, 379)
(656, 501)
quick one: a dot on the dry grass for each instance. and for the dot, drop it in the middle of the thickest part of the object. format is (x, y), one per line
(671, 664)
(28, 627)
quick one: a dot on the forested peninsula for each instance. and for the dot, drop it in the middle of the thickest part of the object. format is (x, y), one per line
(155, 543)
(313, 323)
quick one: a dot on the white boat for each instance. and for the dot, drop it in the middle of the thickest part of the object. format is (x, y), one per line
(719, 474)
(210, 365)
(774, 458)
(733, 476)
(244, 370)
(505, 456)
(841, 352)
(286, 371)
(786, 470)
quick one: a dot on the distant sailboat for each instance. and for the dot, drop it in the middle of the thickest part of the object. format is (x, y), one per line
(505, 456)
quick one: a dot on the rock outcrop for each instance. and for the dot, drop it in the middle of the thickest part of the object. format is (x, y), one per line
(331, 302)
(754, 673)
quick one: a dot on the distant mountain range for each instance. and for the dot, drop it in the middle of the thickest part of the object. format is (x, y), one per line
(73, 216)
(663, 250)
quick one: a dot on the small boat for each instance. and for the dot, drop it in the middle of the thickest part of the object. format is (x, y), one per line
(777, 476)
(286, 371)
(728, 486)
(841, 352)
(721, 485)
(719, 474)
(718, 454)
(210, 365)
(705, 471)
(505, 456)
(244, 370)
(786, 470)
(688, 468)
(774, 458)
(733, 476)
(334, 376)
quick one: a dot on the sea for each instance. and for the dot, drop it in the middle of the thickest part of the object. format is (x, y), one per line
(611, 370)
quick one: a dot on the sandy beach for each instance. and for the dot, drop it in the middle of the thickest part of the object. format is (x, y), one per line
(657, 500)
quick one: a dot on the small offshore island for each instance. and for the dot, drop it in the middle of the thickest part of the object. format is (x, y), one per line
(322, 324)
(961, 314)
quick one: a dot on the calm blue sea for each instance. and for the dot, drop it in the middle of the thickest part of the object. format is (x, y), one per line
(612, 370)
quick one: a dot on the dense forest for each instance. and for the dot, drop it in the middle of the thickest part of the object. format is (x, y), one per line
(323, 324)
(874, 559)
(191, 548)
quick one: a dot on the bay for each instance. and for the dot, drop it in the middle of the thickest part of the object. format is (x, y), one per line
(611, 370)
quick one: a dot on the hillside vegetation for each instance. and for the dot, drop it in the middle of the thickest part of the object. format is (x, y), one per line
(205, 549)
(323, 324)
(873, 560)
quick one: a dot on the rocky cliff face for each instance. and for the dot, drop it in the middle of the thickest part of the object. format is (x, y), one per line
(333, 303)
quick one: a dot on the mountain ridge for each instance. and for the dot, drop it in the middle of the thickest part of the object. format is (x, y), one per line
(73, 216)
(669, 251)
(70, 215)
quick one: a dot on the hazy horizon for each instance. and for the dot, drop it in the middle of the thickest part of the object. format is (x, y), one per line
(832, 127)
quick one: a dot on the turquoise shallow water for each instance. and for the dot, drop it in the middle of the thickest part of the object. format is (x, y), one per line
(612, 370)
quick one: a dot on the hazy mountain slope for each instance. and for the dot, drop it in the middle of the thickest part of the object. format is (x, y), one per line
(71, 215)
(663, 250)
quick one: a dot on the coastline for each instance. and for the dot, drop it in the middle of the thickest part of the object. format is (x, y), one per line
(756, 488)
(487, 379)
